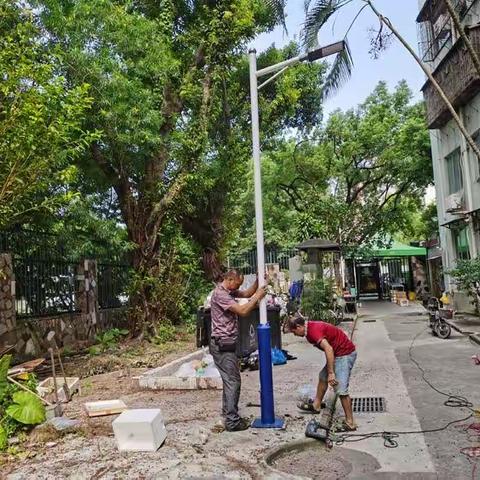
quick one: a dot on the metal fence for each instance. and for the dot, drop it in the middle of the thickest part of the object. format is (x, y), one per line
(247, 262)
(46, 274)
(113, 280)
(45, 287)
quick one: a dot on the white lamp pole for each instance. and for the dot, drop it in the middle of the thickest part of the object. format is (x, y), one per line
(255, 74)
(268, 419)
(257, 174)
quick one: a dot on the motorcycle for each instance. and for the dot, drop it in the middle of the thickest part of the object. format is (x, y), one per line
(437, 324)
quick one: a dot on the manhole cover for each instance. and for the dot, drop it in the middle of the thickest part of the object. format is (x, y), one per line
(313, 460)
(326, 466)
(369, 404)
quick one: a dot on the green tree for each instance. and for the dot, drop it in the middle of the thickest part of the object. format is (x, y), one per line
(166, 99)
(358, 180)
(423, 224)
(467, 277)
(40, 121)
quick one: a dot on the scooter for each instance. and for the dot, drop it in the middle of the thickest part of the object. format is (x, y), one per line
(438, 325)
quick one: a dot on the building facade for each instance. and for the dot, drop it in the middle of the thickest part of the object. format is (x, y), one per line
(456, 167)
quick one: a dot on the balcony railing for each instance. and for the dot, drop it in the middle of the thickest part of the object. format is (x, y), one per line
(435, 28)
(458, 78)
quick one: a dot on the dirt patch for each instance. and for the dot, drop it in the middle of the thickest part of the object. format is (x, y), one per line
(131, 354)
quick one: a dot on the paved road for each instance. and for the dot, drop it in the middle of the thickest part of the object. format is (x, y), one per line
(448, 366)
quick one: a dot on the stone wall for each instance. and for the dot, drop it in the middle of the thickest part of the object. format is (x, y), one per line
(75, 330)
(7, 301)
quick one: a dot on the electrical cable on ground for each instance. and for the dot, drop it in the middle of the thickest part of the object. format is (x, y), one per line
(454, 401)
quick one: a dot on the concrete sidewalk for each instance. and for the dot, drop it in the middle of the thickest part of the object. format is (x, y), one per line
(378, 374)
(388, 345)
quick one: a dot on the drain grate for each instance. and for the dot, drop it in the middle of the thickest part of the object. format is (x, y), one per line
(369, 405)
(369, 321)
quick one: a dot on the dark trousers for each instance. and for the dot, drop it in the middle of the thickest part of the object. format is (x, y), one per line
(227, 365)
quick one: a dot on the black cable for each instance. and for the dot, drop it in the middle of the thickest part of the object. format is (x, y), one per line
(454, 401)
(389, 436)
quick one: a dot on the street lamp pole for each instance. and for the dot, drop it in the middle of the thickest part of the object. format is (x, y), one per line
(268, 419)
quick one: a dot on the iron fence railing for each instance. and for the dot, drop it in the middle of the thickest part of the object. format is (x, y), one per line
(436, 30)
(247, 262)
(113, 281)
(45, 287)
(46, 273)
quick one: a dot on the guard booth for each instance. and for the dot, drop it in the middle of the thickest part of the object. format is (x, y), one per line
(323, 258)
(399, 267)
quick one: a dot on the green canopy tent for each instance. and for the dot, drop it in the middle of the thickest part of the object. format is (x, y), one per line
(398, 249)
(379, 269)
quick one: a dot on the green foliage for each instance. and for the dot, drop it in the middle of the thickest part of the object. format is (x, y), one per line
(317, 299)
(40, 121)
(165, 332)
(423, 224)
(107, 340)
(175, 285)
(467, 277)
(4, 366)
(26, 409)
(3, 438)
(357, 181)
(17, 407)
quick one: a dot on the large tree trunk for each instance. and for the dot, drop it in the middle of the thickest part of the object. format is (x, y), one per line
(207, 232)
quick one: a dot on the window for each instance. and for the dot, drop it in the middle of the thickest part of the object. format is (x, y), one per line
(460, 240)
(454, 172)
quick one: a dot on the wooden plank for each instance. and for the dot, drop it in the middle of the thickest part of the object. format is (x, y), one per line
(29, 366)
(105, 407)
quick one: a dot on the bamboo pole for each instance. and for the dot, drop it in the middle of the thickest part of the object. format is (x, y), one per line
(10, 379)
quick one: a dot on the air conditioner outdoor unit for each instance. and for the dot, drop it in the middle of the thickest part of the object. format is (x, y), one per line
(454, 203)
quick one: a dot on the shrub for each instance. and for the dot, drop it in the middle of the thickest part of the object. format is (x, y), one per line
(467, 277)
(317, 300)
(18, 409)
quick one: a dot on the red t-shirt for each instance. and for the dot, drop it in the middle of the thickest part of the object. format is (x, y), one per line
(317, 331)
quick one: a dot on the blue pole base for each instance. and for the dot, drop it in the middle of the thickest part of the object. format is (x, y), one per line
(277, 423)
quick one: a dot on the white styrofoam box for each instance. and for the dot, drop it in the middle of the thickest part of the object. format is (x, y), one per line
(140, 430)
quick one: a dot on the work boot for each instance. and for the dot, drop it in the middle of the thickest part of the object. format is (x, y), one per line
(243, 424)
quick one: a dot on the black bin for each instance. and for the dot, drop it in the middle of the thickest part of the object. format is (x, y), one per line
(247, 342)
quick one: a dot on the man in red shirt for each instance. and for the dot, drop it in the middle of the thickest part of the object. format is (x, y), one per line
(341, 355)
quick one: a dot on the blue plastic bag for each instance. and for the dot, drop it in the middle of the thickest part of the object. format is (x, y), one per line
(278, 357)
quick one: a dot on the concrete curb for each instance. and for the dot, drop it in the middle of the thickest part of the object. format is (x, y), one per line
(162, 378)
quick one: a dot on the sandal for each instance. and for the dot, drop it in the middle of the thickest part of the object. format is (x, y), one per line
(308, 407)
(345, 427)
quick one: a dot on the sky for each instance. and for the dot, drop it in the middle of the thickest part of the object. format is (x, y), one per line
(394, 65)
